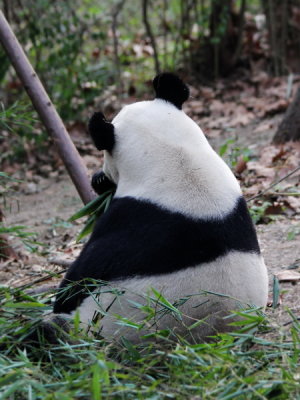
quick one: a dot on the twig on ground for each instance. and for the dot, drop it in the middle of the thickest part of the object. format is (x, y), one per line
(290, 322)
(42, 279)
(61, 262)
(274, 184)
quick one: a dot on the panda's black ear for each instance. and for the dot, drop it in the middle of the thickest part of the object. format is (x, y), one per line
(171, 88)
(102, 132)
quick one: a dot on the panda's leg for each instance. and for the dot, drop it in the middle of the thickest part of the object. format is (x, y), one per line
(100, 183)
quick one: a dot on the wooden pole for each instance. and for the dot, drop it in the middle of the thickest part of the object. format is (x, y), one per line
(46, 111)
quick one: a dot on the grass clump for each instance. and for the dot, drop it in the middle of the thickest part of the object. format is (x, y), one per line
(258, 361)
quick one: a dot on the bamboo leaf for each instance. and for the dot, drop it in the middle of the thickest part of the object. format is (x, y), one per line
(90, 207)
(164, 302)
(96, 385)
(95, 214)
(87, 228)
(276, 291)
(25, 305)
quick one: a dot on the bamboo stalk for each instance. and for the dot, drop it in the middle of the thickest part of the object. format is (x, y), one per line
(46, 111)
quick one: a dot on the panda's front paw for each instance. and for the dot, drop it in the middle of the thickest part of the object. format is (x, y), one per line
(50, 331)
(100, 183)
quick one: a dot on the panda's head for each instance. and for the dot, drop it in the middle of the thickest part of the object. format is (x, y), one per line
(138, 119)
(154, 151)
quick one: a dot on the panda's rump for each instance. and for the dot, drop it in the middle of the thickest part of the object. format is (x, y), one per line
(209, 292)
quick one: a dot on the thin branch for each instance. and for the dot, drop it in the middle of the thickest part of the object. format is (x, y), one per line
(150, 34)
(117, 9)
(46, 111)
(42, 279)
(61, 262)
(179, 39)
(165, 32)
(274, 184)
(292, 321)
(41, 289)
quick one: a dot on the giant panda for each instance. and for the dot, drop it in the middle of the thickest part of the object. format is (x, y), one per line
(178, 223)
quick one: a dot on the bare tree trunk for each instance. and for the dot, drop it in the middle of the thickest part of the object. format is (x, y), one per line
(283, 34)
(219, 53)
(289, 128)
(239, 45)
(275, 51)
(46, 111)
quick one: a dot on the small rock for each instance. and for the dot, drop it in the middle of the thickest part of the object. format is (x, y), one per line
(31, 188)
(45, 170)
(53, 174)
(37, 268)
(288, 276)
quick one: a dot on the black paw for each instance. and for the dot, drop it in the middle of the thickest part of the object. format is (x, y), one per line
(49, 331)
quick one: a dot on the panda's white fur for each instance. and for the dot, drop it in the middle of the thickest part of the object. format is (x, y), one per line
(177, 169)
(242, 277)
(161, 157)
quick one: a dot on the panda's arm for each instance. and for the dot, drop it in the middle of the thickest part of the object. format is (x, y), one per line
(100, 182)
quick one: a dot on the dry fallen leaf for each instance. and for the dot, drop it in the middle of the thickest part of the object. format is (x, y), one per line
(216, 108)
(293, 202)
(288, 276)
(261, 170)
(280, 154)
(242, 120)
(219, 123)
(241, 165)
(206, 93)
(274, 108)
(263, 127)
(196, 106)
(268, 154)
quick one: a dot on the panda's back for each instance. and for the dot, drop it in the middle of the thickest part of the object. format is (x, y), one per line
(164, 157)
(136, 238)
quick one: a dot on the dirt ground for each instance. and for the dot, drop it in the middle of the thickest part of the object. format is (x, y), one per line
(45, 207)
